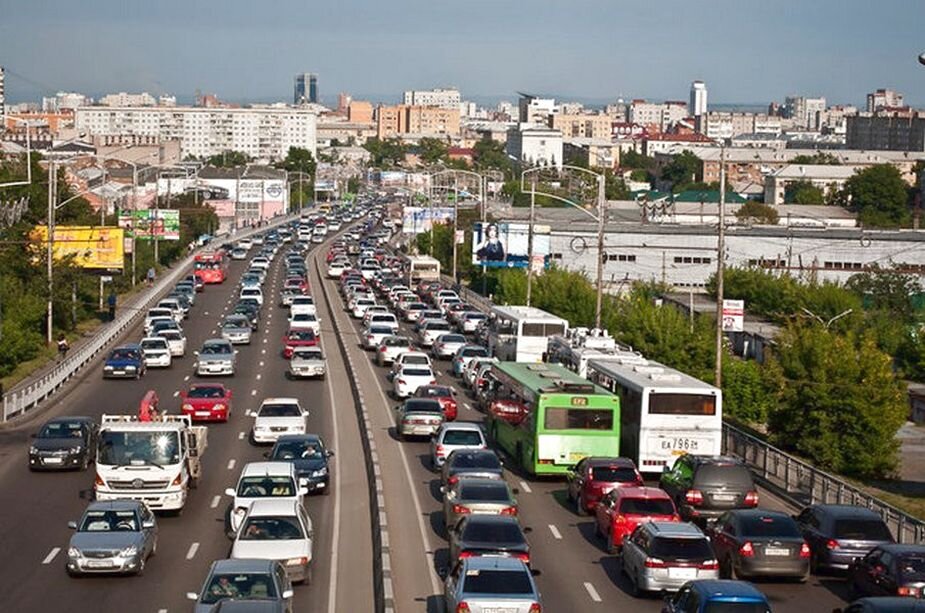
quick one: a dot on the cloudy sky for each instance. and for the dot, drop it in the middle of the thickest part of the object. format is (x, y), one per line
(748, 51)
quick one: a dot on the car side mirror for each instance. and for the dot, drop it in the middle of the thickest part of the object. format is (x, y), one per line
(147, 524)
(251, 413)
(288, 594)
(535, 572)
(72, 525)
(329, 453)
(303, 490)
(230, 492)
(192, 596)
(196, 353)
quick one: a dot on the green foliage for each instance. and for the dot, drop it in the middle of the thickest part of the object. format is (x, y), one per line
(432, 150)
(228, 159)
(887, 290)
(818, 158)
(879, 196)
(353, 185)
(614, 187)
(839, 401)
(803, 192)
(757, 212)
(299, 160)
(489, 154)
(636, 161)
(746, 394)
(682, 169)
(386, 153)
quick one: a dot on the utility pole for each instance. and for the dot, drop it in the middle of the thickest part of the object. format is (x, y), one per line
(50, 246)
(720, 266)
(530, 239)
(601, 214)
(455, 224)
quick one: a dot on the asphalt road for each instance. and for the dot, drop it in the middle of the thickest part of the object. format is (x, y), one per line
(37, 506)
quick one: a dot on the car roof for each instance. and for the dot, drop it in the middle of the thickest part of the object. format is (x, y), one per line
(115, 505)
(70, 419)
(719, 589)
(899, 548)
(715, 459)
(674, 529)
(309, 438)
(607, 461)
(462, 425)
(493, 563)
(243, 565)
(268, 469)
(846, 510)
(273, 506)
(215, 341)
(280, 400)
(746, 513)
(642, 492)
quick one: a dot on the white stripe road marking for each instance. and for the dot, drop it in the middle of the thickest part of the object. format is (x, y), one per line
(51, 555)
(592, 592)
(525, 487)
(176, 393)
(261, 363)
(253, 392)
(162, 611)
(259, 376)
(186, 378)
(192, 551)
(262, 351)
(555, 532)
(231, 463)
(241, 435)
(215, 501)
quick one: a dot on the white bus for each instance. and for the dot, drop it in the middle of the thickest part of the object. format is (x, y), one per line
(421, 268)
(521, 333)
(664, 413)
(581, 345)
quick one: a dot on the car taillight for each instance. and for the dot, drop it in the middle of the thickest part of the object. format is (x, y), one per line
(439, 450)
(523, 557)
(461, 509)
(655, 563)
(536, 608)
(832, 544)
(432, 382)
(804, 550)
(509, 511)
(453, 480)
(463, 607)
(694, 497)
(709, 565)
(904, 590)
(746, 550)
(467, 554)
(751, 499)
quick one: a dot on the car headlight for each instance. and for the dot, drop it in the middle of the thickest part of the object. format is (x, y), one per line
(107, 367)
(297, 561)
(76, 449)
(218, 407)
(129, 551)
(321, 472)
(73, 552)
(33, 450)
(130, 367)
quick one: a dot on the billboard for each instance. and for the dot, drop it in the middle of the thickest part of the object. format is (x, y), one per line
(416, 219)
(166, 224)
(506, 245)
(91, 246)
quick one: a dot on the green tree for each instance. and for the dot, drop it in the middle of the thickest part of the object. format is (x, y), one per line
(636, 161)
(228, 159)
(819, 158)
(432, 150)
(746, 394)
(489, 154)
(387, 152)
(803, 192)
(757, 212)
(879, 196)
(886, 289)
(683, 168)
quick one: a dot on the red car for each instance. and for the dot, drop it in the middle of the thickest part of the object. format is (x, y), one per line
(442, 394)
(594, 477)
(298, 338)
(206, 402)
(623, 509)
(297, 283)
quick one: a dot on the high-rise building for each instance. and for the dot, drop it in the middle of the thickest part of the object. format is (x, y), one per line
(2, 102)
(698, 102)
(883, 98)
(804, 111)
(899, 132)
(533, 109)
(306, 88)
(447, 98)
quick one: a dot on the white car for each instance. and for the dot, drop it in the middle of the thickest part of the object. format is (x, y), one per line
(412, 311)
(390, 347)
(360, 305)
(383, 319)
(260, 262)
(431, 329)
(302, 304)
(277, 530)
(245, 243)
(445, 346)
(413, 356)
(156, 352)
(176, 341)
(173, 305)
(368, 271)
(472, 368)
(276, 417)
(373, 335)
(469, 321)
(455, 435)
(258, 480)
(336, 269)
(252, 292)
(410, 377)
(307, 362)
(375, 309)
(305, 321)
(156, 313)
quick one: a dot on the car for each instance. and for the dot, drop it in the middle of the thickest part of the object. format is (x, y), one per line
(884, 604)
(491, 583)
(336, 268)
(206, 402)
(305, 321)
(430, 329)
(260, 480)
(409, 378)
(704, 487)
(411, 311)
(114, 536)
(445, 346)
(472, 368)
(310, 458)
(390, 347)
(250, 581)
(593, 477)
(465, 463)
(236, 329)
(216, 357)
(838, 534)
(372, 318)
(453, 436)
(358, 305)
(125, 362)
(156, 351)
(302, 304)
(889, 570)
(260, 262)
(176, 341)
(239, 253)
(706, 595)
(281, 530)
(251, 311)
(477, 495)
(662, 556)
(160, 324)
(372, 336)
(759, 543)
(492, 535)
(444, 394)
(198, 284)
(63, 443)
(405, 358)
(622, 509)
(156, 313)
(466, 354)
(174, 307)
(254, 293)
(298, 338)
(252, 279)
(418, 417)
(307, 361)
(276, 417)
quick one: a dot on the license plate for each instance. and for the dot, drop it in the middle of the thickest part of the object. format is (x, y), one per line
(53, 460)
(776, 551)
(724, 497)
(118, 372)
(500, 610)
(682, 573)
(203, 413)
(99, 564)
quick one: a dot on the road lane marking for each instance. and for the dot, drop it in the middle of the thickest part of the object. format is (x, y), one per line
(555, 532)
(253, 392)
(241, 435)
(192, 551)
(261, 363)
(51, 555)
(259, 376)
(176, 393)
(263, 351)
(205, 313)
(186, 378)
(215, 501)
(592, 592)
(524, 487)
(335, 544)
(231, 463)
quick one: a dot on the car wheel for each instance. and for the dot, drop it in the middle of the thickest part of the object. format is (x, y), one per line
(612, 549)
(141, 567)
(635, 592)
(580, 505)
(154, 549)
(308, 576)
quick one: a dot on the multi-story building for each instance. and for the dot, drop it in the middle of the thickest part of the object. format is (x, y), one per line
(593, 152)
(65, 101)
(804, 111)
(899, 132)
(828, 178)
(264, 133)
(343, 102)
(443, 97)
(422, 120)
(534, 145)
(389, 121)
(883, 98)
(698, 102)
(124, 99)
(657, 116)
(360, 111)
(533, 109)
(2, 102)
(306, 88)
(582, 126)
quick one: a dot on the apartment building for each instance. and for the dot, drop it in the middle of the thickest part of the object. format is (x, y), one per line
(447, 98)
(125, 99)
(827, 178)
(535, 145)
(657, 116)
(895, 132)
(423, 120)
(582, 125)
(804, 111)
(884, 98)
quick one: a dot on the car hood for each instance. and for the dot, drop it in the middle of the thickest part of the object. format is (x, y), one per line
(51, 444)
(86, 541)
(215, 357)
(305, 465)
(271, 550)
(236, 329)
(118, 363)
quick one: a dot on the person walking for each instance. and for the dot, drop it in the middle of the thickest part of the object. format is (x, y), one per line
(152, 274)
(111, 302)
(63, 347)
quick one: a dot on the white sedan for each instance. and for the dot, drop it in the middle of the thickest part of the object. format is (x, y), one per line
(277, 530)
(276, 417)
(156, 352)
(410, 377)
(305, 321)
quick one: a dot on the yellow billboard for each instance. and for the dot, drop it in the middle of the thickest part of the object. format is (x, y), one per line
(91, 246)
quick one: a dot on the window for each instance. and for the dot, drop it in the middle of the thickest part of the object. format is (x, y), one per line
(621, 257)
(843, 265)
(692, 260)
(682, 404)
(578, 419)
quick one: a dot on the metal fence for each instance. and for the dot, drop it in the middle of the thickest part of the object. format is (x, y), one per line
(800, 483)
(29, 394)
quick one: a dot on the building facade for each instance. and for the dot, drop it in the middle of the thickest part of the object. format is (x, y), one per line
(905, 132)
(827, 178)
(533, 109)
(447, 98)
(306, 88)
(124, 99)
(420, 120)
(582, 125)
(698, 102)
(536, 146)
(657, 116)
(2, 101)
(884, 98)
(804, 111)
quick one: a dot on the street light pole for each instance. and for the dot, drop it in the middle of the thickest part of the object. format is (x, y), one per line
(720, 266)
(455, 224)
(601, 218)
(50, 246)
(530, 239)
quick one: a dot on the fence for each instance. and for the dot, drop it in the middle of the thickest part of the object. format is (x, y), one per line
(29, 394)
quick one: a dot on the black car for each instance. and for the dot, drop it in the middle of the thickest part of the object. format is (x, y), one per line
(251, 311)
(471, 463)
(759, 543)
(63, 443)
(884, 604)
(476, 535)
(310, 458)
(705, 487)
(889, 570)
(838, 534)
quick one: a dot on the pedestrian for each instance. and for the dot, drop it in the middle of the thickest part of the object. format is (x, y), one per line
(63, 347)
(152, 274)
(111, 302)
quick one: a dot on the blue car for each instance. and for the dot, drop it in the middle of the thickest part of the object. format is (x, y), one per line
(124, 362)
(715, 594)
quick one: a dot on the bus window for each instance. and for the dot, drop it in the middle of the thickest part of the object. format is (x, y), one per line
(541, 329)
(577, 419)
(682, 404)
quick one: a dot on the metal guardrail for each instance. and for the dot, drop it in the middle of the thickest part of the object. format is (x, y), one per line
(801, 484)
(29, 394)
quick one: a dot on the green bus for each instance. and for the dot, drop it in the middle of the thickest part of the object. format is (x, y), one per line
(548, 418)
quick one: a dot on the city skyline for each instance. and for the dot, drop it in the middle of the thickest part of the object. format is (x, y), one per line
(840, 50)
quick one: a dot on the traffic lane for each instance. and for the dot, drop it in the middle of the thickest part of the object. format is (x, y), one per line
(409, 508)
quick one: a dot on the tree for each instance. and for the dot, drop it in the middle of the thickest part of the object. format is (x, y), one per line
(432, 150)
(636, 161)
(879, 196)
(386, 152)
(682, 169)
(229, 159)
(299, 160)
(757, 212)
(746, 394)
(489, 154)
(803, 192)
(886, 289)
(839, 401)
(818, 158)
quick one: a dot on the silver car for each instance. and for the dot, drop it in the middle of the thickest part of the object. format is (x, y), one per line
(217, 357)
(307, 362)
(682, 551)
(236, 329)
(491, 583)
(114, 536)
(248, 582)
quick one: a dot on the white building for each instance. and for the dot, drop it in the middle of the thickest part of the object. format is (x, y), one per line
(884, 98)
(65, 101)
(535, 145)
(447, 98)
(660, 114)
(698, 102)
(805, 112)
(828, 178)
(532, 109)
(262, 133)
(124, 99)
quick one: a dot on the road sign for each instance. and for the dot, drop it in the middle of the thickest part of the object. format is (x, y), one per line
(733, 315)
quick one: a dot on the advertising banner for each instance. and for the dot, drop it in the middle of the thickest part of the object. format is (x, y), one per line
(733, 315)
(506, 245)
(166, 224)
(91, 246)
(416, 219)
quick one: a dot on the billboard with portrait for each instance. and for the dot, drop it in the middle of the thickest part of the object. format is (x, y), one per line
(91, 246)
(507, 245)
(416, 219)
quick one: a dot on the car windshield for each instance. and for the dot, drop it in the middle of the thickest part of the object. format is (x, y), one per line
(281, 528)
(434, 391)
(280, 410)
(123, 354)
(171, 335)
(216, 349)
(436, 326)
(380, 330)
(138, 448)
(397, 342)
(154, 344)
(297, 450)
(429, 406)
(724, 475)
(308, 354)
(266, 486)
(462, 437)
(62, 429)
(646, 506)
(237, 322)
(474, 352)
(614, 474)
(244, 586)
(484, 492)
(862, 530)
(668, 548)
(475, 460)
(497, 582)
(911, 566)
(768, 526)
(736, 607)
(109, 521)
(493, 532)
(452, 338)
(206, 391)
(415, 359)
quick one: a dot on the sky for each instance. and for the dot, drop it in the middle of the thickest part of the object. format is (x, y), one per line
(747, 51)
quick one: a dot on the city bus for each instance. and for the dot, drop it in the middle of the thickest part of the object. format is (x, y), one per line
(548, 418)
(421, 268)
(665, 412)
(521, 333)
(581, 345)
(211, 267)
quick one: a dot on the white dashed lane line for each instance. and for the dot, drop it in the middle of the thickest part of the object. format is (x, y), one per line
(241, 435)
(525, 488)
(186, 378)
(176, 393)
(592, 592)
(51, 555)
(555, 532)
(195, 547)
(253, 392)
(231, 463)
(215, 501)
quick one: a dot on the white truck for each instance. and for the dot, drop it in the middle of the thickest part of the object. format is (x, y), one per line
(153, 461)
